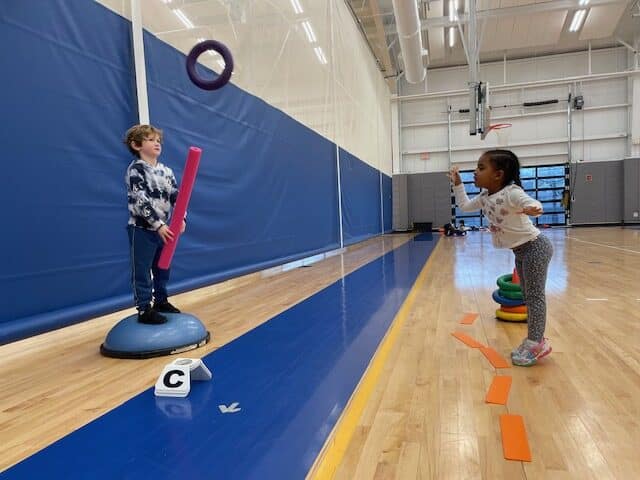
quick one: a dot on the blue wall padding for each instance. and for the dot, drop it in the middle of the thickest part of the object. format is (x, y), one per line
(360, 187)
(387, 203)
(66, 96)
(266, 192)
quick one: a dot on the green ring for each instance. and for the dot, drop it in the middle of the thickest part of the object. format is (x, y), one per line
(505, 284)
(511, 295)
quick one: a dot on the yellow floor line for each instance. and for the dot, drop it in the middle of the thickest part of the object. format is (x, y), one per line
(333, 451)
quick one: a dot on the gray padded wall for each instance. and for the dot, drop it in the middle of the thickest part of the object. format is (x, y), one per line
(613, 194)
(631, 200)
(400, 206)
(601, 199)
(429, 196)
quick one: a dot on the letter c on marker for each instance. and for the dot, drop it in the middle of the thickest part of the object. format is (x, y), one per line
(167, 378)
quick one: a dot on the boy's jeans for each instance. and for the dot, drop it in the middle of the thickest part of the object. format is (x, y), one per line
(145, 247)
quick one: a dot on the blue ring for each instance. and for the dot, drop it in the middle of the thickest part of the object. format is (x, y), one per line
(221, 79)
(507, 302)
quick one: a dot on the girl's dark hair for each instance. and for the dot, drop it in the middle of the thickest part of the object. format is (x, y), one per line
(508, 162)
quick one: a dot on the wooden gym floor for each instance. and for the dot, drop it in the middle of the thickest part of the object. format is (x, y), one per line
(581, 406)
(426, 417)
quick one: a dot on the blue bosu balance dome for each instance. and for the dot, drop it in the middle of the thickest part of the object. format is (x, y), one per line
(132, 339)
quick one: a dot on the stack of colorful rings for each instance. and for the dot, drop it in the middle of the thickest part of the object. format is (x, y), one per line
(509, 296)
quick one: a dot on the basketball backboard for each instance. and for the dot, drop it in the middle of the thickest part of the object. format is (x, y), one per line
(484, 110)
(479, 110)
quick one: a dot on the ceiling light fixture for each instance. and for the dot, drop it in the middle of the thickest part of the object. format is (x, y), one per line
(297, 8)
(308, 29)
(576, 22)
(320, 54)
(183, 18)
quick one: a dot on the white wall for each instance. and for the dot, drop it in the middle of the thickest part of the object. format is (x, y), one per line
(539, 135)
(346, 100)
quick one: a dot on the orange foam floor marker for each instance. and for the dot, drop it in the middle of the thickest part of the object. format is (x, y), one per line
(494, 357)
(515, 444)
(467, 340)
(499, 390)
(469, 318)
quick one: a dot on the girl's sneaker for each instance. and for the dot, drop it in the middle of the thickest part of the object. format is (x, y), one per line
(518, 349)
(529, 352)
(523, 346)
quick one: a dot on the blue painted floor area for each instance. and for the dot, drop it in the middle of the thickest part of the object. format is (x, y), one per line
(292, 377)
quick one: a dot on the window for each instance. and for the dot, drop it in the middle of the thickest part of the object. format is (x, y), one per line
(554, 194)
(528, 172)
(545, 183)
(555, 182)
(467, 177)
(552, 219)
(552, 171)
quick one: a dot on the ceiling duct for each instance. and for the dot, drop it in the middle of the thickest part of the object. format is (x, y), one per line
(410, 38)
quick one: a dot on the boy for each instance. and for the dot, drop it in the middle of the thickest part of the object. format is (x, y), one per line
(151, 191)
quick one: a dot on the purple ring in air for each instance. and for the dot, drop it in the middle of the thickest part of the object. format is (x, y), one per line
(222, 79)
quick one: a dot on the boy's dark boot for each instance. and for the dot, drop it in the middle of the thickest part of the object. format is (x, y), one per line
(151, 317)
(165, 307)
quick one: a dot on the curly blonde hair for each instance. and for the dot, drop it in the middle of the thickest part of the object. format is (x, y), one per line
(137, 134)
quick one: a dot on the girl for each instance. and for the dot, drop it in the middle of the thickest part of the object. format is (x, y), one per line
(505, 204)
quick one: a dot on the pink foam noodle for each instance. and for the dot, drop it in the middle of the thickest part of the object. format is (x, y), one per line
(184, 195)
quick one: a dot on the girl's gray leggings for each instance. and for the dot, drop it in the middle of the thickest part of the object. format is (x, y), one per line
(532, 263)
